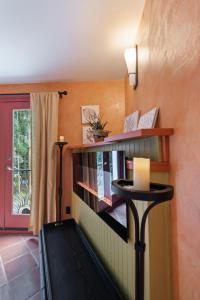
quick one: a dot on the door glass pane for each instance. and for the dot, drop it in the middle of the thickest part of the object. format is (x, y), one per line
(21, 179)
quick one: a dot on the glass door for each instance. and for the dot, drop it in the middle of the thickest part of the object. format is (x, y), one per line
(15, 136)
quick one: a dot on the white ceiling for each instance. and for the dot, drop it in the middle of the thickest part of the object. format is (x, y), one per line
(58, 40)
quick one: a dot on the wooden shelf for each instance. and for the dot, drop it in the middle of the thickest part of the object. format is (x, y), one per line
(140, 133)
(83, 146)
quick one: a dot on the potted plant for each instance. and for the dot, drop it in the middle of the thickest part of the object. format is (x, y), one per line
(97, 127)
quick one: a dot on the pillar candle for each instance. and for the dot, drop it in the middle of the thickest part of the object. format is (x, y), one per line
(62, 138)
(141, 173)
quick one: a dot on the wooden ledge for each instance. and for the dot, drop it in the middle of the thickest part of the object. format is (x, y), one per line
(83, 146)
(140, 133)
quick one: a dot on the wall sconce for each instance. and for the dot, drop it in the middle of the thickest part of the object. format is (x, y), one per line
(131, 58)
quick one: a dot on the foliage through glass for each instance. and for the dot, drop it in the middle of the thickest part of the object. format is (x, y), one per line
(21, 161)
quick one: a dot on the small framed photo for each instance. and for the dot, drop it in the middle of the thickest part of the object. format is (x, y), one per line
(148, 120)
(88, 111)
(131, 121)
(87, 135)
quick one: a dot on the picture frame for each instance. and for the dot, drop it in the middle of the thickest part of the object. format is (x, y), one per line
(131, 121)
(148, 120)
(87, 135)
(87, 111)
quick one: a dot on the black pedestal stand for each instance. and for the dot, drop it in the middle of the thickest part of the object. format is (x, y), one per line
(158, 193)
(60, 145)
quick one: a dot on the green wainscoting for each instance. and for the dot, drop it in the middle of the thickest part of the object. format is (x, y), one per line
(119, 256)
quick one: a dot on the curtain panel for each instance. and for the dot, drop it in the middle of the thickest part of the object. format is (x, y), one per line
(44, 134)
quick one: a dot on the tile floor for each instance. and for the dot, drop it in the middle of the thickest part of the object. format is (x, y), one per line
(19, 268)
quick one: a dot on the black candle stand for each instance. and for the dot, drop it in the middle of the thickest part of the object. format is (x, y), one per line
(158, 193)
(60, 145)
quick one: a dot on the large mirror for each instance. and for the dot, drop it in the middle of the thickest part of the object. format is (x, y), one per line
(93, 174)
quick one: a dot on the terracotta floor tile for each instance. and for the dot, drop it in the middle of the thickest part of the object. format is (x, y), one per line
(27, 237)
(9, 240)
(35, 254)
(19, 266)
(19, 272)
(25, 286)
(13, 251)
(36, 297)
(5, 293)
(32, 243)
(3, 278)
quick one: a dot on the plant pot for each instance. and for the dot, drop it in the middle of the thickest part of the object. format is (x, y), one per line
(99, 135)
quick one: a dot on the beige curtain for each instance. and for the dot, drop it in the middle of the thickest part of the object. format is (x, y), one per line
(44, 134)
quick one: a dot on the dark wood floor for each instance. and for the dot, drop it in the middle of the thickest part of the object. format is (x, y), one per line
(19, 268)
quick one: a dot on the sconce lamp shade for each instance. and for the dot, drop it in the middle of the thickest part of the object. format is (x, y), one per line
(131, 59)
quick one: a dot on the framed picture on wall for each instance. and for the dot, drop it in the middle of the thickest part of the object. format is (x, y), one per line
(148, 120)
(131, 121)
(88, 111)
(87, 135)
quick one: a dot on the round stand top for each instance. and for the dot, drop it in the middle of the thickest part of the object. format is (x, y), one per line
(158, 192)
(61, 143)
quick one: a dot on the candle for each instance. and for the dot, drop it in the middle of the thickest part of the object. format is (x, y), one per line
(62, 138)
(141, 173)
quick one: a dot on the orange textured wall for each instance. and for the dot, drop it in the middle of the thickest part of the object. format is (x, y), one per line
(169, 77)
(108, 94)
